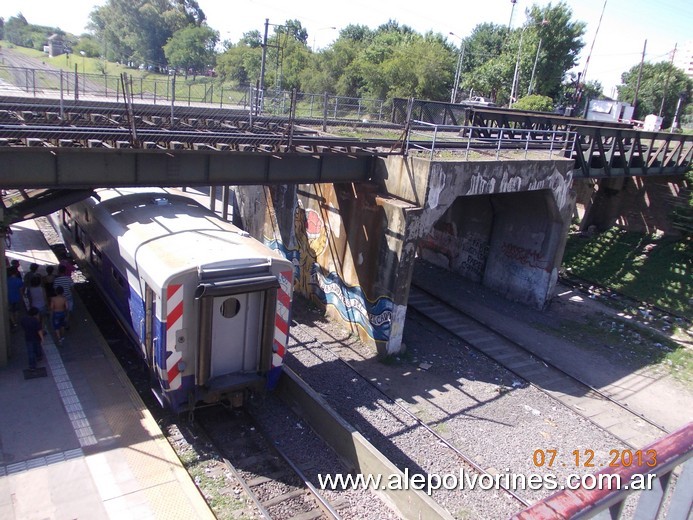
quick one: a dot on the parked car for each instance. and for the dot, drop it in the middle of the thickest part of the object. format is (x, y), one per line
(478, 100)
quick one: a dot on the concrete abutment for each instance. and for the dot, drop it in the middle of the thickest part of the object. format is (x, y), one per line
(501, 223)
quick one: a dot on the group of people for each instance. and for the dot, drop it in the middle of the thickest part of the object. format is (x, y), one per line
(47, 297)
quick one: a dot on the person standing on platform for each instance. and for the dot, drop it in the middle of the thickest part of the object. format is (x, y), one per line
(33, 335)
(58, 308)
(48, 280)
(65, 261)
(65, 281)
(37, 297)
(14, 294)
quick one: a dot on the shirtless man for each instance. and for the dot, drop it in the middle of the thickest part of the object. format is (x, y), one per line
(58, 312)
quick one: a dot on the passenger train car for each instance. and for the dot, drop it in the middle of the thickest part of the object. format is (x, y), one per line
(207, 305)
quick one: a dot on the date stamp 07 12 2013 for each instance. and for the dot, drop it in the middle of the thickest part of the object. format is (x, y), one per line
(585, 458)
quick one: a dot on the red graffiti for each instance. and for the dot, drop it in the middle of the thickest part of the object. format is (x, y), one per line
(523, 255)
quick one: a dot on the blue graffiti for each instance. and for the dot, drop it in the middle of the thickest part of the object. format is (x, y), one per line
(351, 303)
(375, 318)
(292, 255)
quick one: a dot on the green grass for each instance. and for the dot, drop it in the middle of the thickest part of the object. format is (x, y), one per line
(197, 88)
(627, 343)
(651, 269)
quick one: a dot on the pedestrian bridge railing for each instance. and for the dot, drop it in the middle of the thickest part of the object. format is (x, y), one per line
(477, 143)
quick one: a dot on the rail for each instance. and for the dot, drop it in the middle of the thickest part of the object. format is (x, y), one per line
(669, 494)
(432, 138)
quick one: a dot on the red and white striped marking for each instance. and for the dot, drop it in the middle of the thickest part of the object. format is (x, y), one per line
(174, 322)
(281, 320)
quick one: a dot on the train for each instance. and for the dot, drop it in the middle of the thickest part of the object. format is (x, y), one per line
(207, 306)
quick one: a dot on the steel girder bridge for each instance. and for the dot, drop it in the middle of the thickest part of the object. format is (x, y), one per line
(66, 148)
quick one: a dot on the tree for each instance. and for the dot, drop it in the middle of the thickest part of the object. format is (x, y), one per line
(19, 31)
(89, 45)
(561, 43)
(135, 31)
(293, 29)
(192, 48)
(659, 81)
(493, 54)
(240, 63)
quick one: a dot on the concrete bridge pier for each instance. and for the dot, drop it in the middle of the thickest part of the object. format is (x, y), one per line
(503, 224)
(352, 246)
(604, 203)
(642, 204)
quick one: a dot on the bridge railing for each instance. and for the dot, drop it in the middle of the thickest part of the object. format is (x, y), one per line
(667, 492)
(479, 142)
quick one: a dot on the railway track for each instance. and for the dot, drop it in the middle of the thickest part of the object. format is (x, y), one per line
(633, 429)
(278, 487)
(439, 439)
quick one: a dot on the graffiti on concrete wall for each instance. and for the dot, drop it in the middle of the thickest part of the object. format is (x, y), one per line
(473, 254)
(524, 256)
(481, 186)
(308, 242)
(559, 184)
(375, 318)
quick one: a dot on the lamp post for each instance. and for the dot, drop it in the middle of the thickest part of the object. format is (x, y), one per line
(516, 76)
(83, 55)
(321, 29)
(534, 69)
(458, 71)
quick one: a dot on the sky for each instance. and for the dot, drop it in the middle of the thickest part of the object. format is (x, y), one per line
(617, 47)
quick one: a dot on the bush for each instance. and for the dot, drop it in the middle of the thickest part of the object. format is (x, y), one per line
(535, 103)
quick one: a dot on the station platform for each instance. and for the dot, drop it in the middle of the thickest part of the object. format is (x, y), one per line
(76, 441)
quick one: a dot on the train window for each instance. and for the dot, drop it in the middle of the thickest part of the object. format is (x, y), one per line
(95, 256)
(79, 237)
(230, 307)
(67, 219)
(117, 278)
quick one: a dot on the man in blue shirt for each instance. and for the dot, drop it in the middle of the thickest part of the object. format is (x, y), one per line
(14, 294)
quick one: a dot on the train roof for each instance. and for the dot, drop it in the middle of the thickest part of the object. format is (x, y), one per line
(164, 234)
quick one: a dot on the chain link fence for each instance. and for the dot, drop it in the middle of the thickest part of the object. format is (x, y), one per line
(51, 83)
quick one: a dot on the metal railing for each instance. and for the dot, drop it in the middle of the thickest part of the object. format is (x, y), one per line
(432, 138)
(669, 496)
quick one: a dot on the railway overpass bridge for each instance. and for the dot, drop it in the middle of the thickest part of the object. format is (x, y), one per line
(489, 194)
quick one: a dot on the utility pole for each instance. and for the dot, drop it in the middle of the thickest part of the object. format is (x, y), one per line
(261, 88)
(512, 11)
(666, 83)
(458, 72)
(637, 85)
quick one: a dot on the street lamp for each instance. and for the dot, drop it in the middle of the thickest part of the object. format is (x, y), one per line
(534, 69)
(83, 55)
(458, 71)
(321, 29)
(516, 76)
